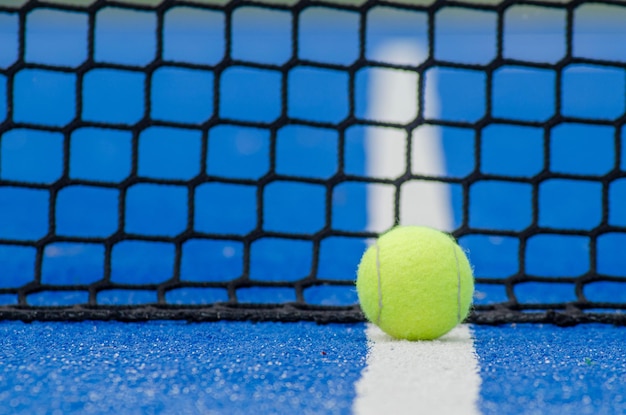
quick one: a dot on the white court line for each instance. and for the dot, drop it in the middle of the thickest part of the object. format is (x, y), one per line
(401, 377)
(393, 98)
(428, 377)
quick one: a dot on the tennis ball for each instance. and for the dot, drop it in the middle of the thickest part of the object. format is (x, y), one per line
(415, 283)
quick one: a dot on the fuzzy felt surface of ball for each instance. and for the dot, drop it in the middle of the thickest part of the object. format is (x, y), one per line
(415, 283)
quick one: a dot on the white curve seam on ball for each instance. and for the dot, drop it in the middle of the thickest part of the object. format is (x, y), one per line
(458, 285)
(380, 285)
(423, 377)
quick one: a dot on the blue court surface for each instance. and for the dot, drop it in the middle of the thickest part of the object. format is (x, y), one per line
(179, 368)
(121, 155)
(161, 367)
(549, 370)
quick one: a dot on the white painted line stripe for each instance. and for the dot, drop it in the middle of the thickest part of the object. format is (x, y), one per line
(427, 377)
(393, 98)
(423, 202)
(401, 377)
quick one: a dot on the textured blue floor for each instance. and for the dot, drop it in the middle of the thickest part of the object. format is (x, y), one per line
(179, 368)
(532, 369)
(159, 367)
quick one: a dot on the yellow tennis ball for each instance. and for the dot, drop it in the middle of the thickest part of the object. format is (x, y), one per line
(415, 283)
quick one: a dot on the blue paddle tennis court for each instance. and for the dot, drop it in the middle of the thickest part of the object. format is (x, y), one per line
(184, 154)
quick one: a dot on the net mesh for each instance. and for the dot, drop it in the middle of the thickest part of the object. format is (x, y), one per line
(213, 160)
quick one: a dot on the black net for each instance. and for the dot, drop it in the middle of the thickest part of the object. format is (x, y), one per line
(207, 160)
